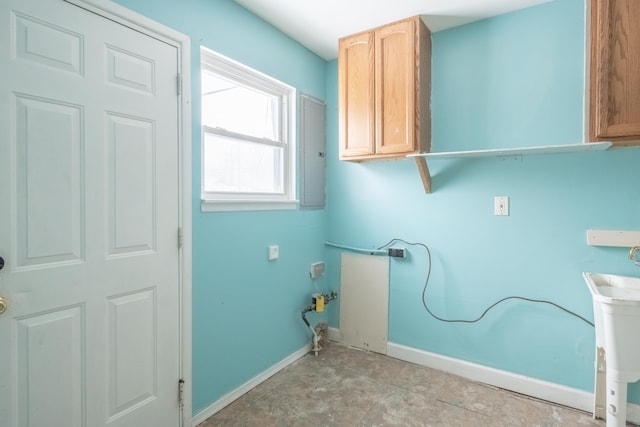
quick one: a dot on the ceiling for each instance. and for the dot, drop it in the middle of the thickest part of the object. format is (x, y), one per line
(319, 24)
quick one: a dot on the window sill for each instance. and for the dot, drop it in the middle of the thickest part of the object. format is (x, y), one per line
(247, 205)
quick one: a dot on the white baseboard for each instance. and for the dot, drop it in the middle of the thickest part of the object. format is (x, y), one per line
(551, 392)
(544, 390)
(253, 382)
(528, 386)
(556, 393)
(334, 335)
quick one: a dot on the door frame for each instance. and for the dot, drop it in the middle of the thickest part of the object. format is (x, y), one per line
(182, 43)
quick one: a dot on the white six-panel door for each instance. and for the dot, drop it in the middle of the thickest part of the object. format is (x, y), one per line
(88, 221)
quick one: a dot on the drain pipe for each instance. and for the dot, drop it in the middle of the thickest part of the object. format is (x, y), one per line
(316, 339)
(317, 304)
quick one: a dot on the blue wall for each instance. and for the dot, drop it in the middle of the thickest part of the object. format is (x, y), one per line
(246, 310)
(513, 80)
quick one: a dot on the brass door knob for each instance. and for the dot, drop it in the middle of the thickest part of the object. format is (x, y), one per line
(3, 305)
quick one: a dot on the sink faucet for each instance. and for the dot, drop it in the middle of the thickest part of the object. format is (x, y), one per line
(633, 256)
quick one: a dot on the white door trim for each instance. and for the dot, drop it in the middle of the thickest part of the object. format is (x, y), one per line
(182, 43)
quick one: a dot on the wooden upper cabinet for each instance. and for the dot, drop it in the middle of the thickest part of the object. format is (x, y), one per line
(615, 72)
(356, 101)
(384, 90)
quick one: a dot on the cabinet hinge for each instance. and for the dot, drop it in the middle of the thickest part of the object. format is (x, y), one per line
(180, 238)
(180, 393)
(179, 84)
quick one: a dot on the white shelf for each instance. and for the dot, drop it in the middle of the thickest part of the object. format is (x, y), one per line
(617, 238)
(498, 152)
(425, 175)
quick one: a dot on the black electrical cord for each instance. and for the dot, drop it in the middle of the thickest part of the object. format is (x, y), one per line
(424, 291)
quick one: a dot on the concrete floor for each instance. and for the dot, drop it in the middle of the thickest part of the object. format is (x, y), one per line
(348, 387)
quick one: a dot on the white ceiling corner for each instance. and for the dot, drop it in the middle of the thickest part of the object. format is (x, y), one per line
(319, 24)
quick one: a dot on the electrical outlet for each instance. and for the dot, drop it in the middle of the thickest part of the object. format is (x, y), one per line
(396, 252)
(274, 252)
(501, 206)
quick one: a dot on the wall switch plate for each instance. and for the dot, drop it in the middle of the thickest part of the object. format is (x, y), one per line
(501, 205)
(274, 252)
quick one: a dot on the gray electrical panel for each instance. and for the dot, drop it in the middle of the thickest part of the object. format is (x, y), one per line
(312, 152)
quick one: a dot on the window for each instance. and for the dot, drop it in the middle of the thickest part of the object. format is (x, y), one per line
(248, 150)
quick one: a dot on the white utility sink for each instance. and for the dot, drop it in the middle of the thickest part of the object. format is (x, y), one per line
(616, 310)
(614, 289)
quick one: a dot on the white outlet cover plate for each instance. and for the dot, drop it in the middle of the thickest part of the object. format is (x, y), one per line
(274, 252)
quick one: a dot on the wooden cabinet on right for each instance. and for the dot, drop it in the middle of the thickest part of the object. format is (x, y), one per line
(615, 72)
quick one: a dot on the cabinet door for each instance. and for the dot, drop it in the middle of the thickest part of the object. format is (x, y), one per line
(615, 71)
(395, 87)
(356, 96)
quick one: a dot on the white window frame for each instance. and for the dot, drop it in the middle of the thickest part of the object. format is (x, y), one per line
(230, 201)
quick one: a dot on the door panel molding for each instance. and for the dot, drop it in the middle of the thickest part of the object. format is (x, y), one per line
(59, 51)
(182, 43)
